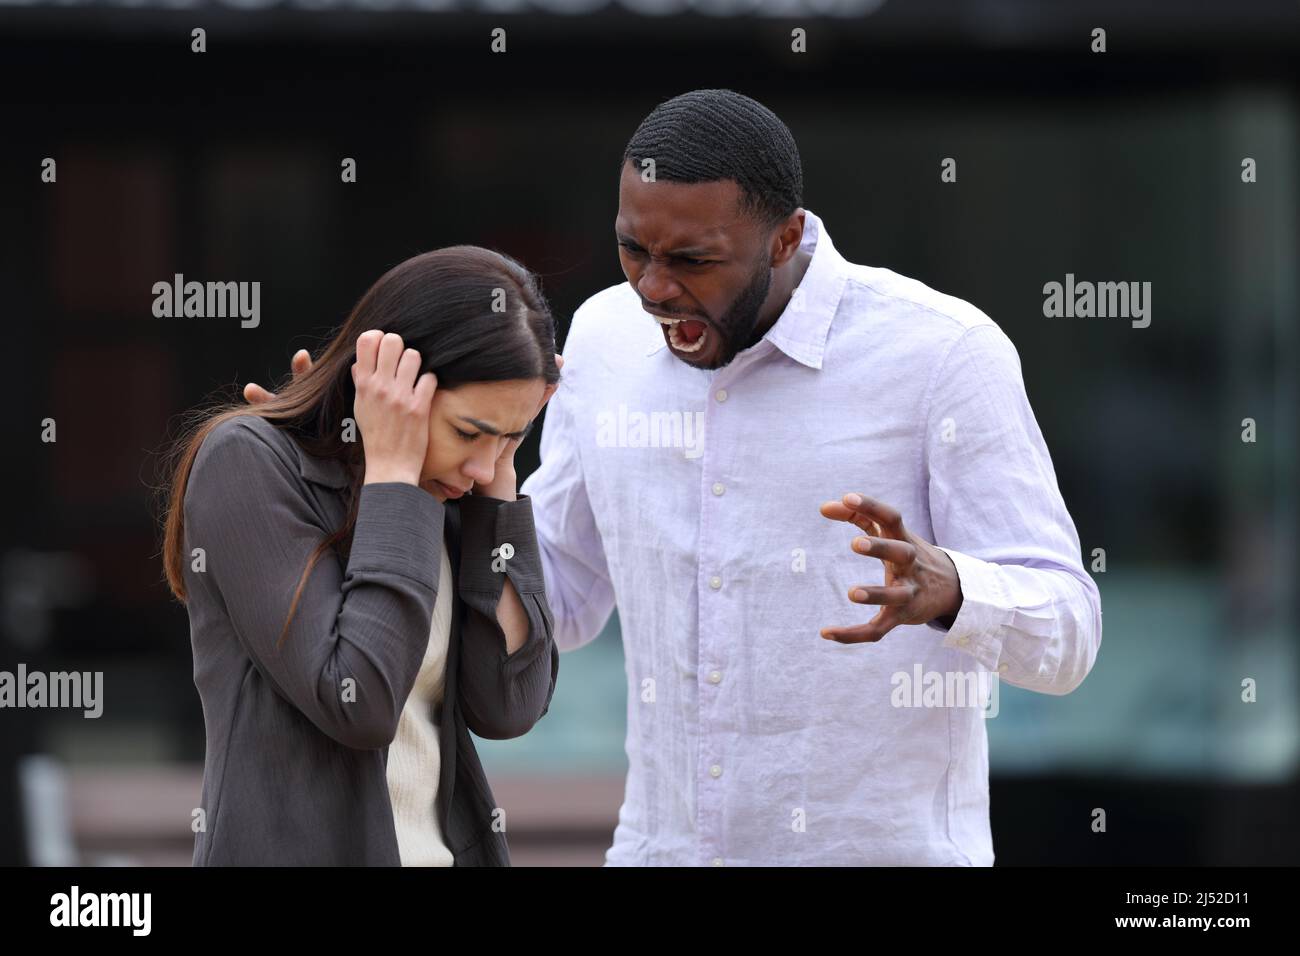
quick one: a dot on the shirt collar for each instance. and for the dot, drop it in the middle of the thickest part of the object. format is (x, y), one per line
(801, 330)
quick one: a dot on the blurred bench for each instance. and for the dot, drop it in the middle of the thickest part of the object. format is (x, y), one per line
(141, 815)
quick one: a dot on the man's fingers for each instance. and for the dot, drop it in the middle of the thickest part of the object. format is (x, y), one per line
(886, 549)
(891, 594)
(887, 540)
(301, 363)
(888, 517)
(838, 511)
(255, 394)
(892, 600)
(868, 633)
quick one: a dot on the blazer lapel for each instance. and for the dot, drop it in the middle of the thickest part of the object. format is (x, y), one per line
(446, 718)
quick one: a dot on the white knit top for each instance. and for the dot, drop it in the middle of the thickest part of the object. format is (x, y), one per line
(413, 757)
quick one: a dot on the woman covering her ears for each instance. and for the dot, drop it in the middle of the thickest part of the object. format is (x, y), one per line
(363, 582)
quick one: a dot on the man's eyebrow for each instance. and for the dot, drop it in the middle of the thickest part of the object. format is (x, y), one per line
(690, 252)
(492, 430)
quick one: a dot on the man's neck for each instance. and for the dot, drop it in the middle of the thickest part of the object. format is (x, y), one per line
(787, 280)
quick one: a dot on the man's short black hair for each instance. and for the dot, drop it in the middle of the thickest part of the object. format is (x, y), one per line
(710, 135)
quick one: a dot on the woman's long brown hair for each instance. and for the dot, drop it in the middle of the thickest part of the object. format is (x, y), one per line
(474, 315)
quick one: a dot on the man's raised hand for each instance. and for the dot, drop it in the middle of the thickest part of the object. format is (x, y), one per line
(921, 582)
(255, 394)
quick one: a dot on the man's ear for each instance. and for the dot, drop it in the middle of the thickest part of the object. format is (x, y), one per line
(788, 236)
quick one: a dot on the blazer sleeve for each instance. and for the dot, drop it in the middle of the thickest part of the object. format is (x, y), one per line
(503, 695)
(358, 636)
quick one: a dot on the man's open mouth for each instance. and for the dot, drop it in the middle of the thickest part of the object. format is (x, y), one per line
(684, 335)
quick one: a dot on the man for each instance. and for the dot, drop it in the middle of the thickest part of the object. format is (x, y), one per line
(750, 739)
(745, 374)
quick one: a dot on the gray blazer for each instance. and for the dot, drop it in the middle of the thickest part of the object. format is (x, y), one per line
(297, 738)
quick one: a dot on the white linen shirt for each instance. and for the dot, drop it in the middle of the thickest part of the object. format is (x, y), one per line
(751, 740)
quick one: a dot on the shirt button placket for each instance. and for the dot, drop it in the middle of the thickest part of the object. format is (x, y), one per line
(708, 795)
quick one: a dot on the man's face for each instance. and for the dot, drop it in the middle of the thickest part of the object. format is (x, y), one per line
(691, 252)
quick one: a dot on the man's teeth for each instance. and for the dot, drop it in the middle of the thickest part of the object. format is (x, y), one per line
(675, 337)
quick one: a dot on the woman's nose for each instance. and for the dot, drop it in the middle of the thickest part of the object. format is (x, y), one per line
(481, 468)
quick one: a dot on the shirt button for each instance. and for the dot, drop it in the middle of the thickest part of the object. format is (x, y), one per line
(715, 582)
(717, 861)
(1002, 668)
(720, 394)
(962, 641)
(715, 771)
(715, 677)
(718, 488)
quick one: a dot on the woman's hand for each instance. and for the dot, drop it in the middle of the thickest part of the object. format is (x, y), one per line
(504, 482)
(392, 407)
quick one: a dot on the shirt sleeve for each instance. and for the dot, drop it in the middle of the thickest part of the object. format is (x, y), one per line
(354, 648)
(1029, 610)
(503, 695)
(573, 555)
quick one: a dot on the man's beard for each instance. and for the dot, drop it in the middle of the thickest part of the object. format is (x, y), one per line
(736, 326)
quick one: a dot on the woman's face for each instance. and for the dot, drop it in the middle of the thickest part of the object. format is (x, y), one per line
(469, 428)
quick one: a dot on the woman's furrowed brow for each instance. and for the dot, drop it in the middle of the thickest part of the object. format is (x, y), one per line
(493, 430)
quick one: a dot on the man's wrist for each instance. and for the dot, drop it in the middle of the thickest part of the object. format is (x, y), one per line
(948, 617)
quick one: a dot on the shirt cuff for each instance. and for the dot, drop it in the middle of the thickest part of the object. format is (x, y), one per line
(487, 524)
(977, 629)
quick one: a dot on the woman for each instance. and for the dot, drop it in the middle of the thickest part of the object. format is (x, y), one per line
(363, 583)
